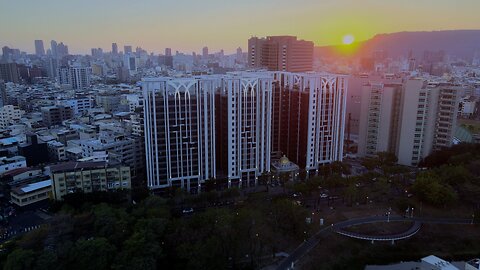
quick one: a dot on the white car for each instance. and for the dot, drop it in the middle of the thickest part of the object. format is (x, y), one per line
(187, 211)
(323, 195)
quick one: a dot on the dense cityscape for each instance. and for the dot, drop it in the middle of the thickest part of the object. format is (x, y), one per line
(284, 154)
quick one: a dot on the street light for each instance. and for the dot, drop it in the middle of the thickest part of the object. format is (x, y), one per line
(411, 213)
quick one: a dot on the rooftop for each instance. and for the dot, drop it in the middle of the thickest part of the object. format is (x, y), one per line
(439, 263)
(32, 187)
(72, 166)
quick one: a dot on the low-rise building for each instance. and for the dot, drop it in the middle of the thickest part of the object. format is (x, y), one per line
(31, 193)
(12, 163)
(10, 115)
(56, 151)
(88, 177)
(55, 115)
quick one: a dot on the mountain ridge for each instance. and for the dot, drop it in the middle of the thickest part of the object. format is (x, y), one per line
(461, 43)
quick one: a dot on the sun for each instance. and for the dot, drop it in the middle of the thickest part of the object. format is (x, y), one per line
(348, 39)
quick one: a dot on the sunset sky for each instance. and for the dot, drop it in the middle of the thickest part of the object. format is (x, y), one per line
(188, 25)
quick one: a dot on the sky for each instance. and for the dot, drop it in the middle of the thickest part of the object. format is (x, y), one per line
(189, 25)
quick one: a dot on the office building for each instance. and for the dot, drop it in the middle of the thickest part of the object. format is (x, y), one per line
(280, 53)
(168, 52)
(88, 177)
(114, 48)
(127, 49)
(411, 119)
(39, 49)
(232, 127)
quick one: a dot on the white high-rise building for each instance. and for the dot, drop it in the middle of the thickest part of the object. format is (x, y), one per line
(409, 119)
(77, 77)
(228, 127)
(80, 77)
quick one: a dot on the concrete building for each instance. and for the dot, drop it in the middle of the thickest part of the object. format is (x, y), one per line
(80, 77)
(79, 105)
(428, 120)
(56, 151)
(468, 106)
(34, 151)
(31, 193)
(10, 115)
(308, 118)
(88, 177)
(282, 53)
(12, 163)
(55, 115)
(77, 77)
(9, 72)
(379, 118)
(229, 126)
(109, 102)
(410, 120)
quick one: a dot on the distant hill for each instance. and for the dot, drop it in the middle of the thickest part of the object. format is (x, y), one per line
(461, 43)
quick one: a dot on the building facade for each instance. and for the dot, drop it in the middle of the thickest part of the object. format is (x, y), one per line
(410, 119)
(281, 53)
(228, 127)
(87, 177)
(55, 115)
(10, 115)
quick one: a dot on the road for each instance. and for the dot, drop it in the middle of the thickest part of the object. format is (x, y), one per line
(308, 245)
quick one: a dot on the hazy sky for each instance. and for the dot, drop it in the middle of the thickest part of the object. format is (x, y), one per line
(188, 25)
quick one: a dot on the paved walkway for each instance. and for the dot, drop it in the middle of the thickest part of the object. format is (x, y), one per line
(305, 247)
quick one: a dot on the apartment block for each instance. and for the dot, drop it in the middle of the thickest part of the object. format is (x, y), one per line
(411, 119)
(280, 53)
(88, 177)
(232, 127)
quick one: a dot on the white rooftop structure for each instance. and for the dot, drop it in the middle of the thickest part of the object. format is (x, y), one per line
(36, 186)
(436, 263)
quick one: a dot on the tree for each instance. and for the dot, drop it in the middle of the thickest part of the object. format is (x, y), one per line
(20, 259)
(429, 187)
(47, 261)
(350, 193)
(94, 254)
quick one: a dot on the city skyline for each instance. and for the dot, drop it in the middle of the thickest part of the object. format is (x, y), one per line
(151, 26)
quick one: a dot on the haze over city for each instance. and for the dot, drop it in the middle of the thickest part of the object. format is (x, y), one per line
(255, 134)
(188, 25)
